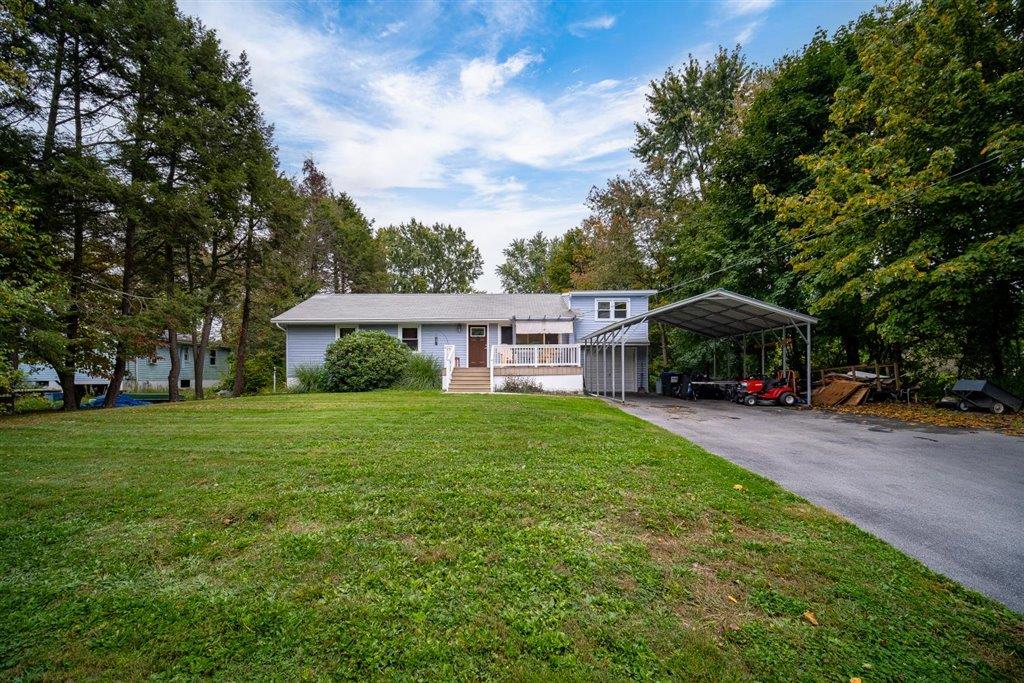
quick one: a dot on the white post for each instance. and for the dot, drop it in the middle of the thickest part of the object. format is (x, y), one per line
(623, 370)
(274, 390)
(808, 364)
(604, 367)
(612, 349)
(762, 353)
(783, 352)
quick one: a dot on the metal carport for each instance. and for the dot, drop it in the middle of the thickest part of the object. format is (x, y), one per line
(718, 314)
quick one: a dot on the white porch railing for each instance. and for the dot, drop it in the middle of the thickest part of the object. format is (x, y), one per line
(534, 356)
(449, 366)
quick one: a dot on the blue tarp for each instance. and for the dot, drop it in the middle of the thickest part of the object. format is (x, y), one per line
(123, 401)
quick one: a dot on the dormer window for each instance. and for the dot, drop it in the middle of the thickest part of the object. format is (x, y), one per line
(612, 309)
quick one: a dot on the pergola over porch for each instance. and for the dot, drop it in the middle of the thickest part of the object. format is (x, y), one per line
(717, 314)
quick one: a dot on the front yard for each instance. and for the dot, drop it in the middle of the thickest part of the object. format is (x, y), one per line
(445, 536)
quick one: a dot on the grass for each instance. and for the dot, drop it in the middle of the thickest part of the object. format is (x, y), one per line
(422, 535)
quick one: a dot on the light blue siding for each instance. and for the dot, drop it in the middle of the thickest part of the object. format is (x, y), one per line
(150, 370)
(433, 339)
(585, 304)
(307, 345)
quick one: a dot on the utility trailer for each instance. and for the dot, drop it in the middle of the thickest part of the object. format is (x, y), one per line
(982, 394)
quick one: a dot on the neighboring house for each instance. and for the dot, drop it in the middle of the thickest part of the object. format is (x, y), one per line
(481, 340)
(145, 373)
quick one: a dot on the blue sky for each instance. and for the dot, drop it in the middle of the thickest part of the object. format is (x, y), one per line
(498, 117)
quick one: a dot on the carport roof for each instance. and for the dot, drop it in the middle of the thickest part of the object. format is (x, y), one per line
(716, 314)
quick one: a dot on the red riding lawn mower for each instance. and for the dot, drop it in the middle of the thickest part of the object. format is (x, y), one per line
(767, 391)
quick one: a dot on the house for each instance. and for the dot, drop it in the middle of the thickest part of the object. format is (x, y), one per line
(145, 373)
(481, 340)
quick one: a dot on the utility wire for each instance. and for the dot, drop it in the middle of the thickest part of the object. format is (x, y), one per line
(959, 174)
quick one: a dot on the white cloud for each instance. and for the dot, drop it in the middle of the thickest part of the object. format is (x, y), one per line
(456, 129)
(741, 8)
(487, 185)
(391, 29)
(483, 76)
(601, 22)
(746, 33)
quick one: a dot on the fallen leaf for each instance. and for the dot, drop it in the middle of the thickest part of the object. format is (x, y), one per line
(809, 616)
(732, 599)
(855, 680)
(739, 487)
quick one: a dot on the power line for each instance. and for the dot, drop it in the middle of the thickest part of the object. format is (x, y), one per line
(805, 238)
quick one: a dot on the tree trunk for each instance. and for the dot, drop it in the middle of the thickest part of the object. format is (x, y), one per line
(51, 118)
(851, 345)
(173, 377)
(121, 353)
(199, 364)
(73, 320)
(243, 327)
(201, 351)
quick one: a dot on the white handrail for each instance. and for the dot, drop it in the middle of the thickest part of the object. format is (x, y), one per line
(535, 355)
(449, 366)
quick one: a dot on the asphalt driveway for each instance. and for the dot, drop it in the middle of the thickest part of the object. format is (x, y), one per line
(953, 499)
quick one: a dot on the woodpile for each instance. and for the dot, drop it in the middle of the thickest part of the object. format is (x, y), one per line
(840, 392)
(850, 388)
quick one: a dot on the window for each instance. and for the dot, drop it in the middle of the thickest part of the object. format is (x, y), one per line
(477, 331)
(506, 334)
(213, 356)
(184, 351)
(344, 331)
(612, 309)
(411, 337)
(537, 339)
(186, 383)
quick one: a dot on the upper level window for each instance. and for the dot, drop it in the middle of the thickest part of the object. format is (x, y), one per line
(213, 356)
(612, 309)
(184, 350)
(411, 337)
(343, 331)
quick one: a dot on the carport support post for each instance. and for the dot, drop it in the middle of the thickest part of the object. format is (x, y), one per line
(611, 380)
(762, 353)
(623, 371)
(808, 364)
(604, 367)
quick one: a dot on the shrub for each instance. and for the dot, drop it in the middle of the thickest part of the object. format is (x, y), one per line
(32, 403)
(421, 373)
(362, 361)
(259, 374)
(521, 385)
(311, 378)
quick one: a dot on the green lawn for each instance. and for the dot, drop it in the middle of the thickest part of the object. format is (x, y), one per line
(444, 536)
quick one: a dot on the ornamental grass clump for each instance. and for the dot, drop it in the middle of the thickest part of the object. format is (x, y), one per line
(422, 373)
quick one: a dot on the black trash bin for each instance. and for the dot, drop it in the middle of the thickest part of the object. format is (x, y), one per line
(669, 383)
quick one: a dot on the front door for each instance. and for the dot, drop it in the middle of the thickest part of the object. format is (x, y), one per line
(478, 346)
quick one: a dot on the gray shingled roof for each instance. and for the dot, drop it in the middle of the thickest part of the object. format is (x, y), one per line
(389, 308)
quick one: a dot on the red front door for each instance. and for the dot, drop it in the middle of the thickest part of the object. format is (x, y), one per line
(478, 346)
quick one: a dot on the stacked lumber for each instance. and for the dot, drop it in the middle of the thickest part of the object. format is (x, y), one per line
(837, 391)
